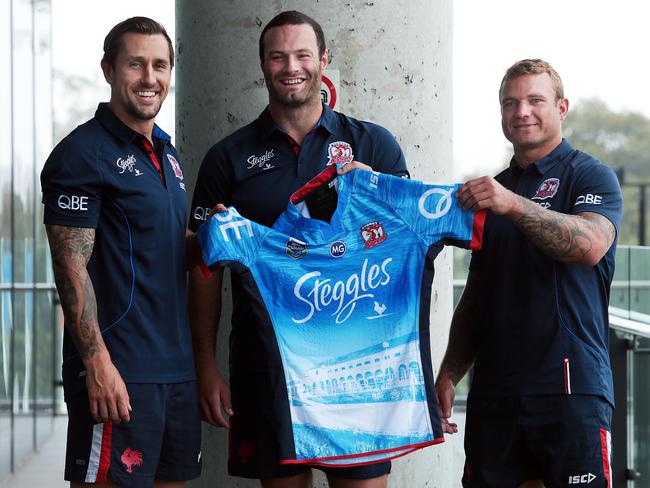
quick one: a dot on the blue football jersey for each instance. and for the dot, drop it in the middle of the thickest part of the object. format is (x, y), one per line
(349, 304)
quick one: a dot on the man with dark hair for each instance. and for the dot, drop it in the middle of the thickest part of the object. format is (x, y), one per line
(115, 214)
(256, 169)
(533, 319)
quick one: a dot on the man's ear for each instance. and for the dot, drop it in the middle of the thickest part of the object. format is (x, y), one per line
(107, 69)
(325, 59)
(564, 108)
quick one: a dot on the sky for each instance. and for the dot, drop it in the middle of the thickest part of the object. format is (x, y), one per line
(598, 47)
(595, 45)
(78, 31)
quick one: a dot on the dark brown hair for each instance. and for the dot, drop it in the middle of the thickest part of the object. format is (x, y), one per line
(293, 17)
(138, 25)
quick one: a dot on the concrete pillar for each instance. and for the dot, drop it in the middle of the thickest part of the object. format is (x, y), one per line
(394, 63)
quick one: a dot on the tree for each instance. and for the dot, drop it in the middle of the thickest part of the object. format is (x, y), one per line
(622, 141)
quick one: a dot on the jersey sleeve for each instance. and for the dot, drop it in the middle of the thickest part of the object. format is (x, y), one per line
(213, 186)
(597, 190)
(388, 157)
(433, 212)
(71, 184)
(229, 237)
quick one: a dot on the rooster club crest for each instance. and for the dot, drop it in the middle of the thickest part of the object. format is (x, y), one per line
(547, 189)
(339, 152)
(131, 457)
(373, 233)
(175, 166)
(296, 249)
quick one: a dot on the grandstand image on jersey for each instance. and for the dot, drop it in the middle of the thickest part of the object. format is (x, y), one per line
(347, 302)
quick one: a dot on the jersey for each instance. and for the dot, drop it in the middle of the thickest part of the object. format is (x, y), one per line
(103, 176)
(348, 302)
(543, 326)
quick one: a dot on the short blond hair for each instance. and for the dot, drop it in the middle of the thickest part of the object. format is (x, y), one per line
(533, 67)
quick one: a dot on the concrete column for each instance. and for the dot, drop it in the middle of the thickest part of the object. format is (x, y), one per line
(394, 61)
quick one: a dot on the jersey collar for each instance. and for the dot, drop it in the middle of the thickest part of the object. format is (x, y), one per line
(292, 221)
(267, 125)
(547, 162)
(122, 131)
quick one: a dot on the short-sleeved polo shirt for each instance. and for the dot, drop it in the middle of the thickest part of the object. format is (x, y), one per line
(103, 176)
(258, 167)
(544, 324)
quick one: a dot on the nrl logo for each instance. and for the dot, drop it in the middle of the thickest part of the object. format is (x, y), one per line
(296, 249)
(339, 152)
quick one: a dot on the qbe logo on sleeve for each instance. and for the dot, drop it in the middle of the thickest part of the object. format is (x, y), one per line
(73, 202)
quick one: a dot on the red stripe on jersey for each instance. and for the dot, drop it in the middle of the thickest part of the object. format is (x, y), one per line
(154, 159)
(567, 377)
(399, 452)
(604, 447)
(477, 230)
(105, 454)
(325, 176)
(295, 147)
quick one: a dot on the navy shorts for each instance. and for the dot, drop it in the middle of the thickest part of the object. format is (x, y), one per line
(256, 426)
(562, 439)
(162, 440)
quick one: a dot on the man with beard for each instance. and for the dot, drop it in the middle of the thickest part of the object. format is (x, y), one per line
(256, 169)
(115, 214)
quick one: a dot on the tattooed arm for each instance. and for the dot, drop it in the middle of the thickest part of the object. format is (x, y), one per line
(71, 248)
(583, 238)
(461, 350)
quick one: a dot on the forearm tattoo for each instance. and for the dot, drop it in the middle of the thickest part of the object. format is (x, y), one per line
(71, 249)
(564, 237)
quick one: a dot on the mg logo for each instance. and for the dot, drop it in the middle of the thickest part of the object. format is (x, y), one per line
(337, 249)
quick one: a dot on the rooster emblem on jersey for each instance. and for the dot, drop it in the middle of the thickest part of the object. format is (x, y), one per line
(178, 172)
(339, 152)
(131, 458)
(380, 309)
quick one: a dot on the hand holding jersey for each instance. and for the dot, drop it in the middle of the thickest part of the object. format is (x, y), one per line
(344, 317)
(590, 234)
(533, 318)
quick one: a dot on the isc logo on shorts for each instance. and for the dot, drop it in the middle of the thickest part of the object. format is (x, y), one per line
(583, 479)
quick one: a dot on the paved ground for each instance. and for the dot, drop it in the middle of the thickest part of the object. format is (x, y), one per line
(43, 469)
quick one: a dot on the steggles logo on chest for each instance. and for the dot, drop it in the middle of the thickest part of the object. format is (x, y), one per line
(128, 164)
(261, 162)
(340, 297)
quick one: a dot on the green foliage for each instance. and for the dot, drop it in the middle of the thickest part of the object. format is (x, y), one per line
(620, 140)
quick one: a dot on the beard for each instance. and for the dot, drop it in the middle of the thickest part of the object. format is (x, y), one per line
(147, 113)
(296, 98)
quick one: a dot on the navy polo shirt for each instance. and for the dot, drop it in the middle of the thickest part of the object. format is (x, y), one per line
(102, 176)
(257, 168)
(543, 325)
